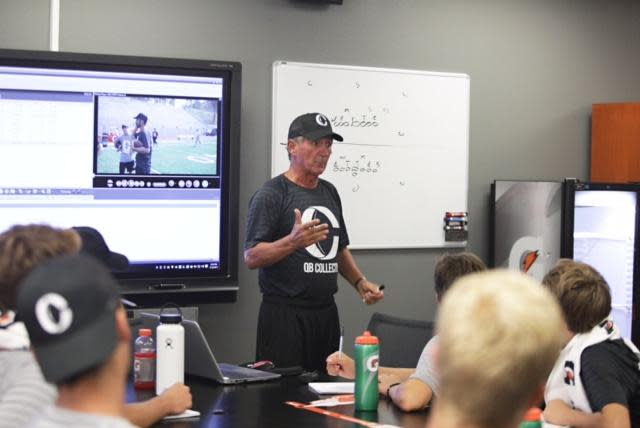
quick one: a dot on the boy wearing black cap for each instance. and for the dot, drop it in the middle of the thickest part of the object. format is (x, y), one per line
(142, 145)
(93, 244)
(23, 391)
(297, 237)
(80, 339)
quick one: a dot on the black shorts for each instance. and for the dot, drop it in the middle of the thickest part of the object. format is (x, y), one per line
(143, 168)
(293, 334)
(126, 166)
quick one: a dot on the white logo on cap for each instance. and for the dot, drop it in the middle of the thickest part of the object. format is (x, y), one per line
(45, 315)
(315, 249)
(322, 120)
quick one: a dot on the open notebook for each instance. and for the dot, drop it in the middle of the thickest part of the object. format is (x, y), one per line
(199, 359)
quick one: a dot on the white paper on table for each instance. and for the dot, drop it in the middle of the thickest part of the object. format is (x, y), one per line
(186, 414)
(332, 387)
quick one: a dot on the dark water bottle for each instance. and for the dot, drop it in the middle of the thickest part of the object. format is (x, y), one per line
(367, 356)
(144, 361)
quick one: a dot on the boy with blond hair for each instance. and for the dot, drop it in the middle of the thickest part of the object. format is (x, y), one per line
(499, 337)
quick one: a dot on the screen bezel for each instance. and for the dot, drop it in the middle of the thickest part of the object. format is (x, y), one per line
(156, 285)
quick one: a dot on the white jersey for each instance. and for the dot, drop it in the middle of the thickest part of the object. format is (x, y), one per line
(565, 382)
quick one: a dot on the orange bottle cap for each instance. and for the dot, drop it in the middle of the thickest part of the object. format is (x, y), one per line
(533, 415)
(366, 339)
(144, 332)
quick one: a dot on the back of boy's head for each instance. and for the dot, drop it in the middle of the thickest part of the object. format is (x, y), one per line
(450, 267)
(68, 305)
(500, 334)
(22, 248)
(582, 292)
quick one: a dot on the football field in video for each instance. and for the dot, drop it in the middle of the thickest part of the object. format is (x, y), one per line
(186, 156)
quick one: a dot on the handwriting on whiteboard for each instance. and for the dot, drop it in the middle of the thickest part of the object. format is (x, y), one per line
(359, 166)
(355, 121)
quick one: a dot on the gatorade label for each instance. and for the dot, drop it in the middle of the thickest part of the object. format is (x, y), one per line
(144, 370)
(366, 386)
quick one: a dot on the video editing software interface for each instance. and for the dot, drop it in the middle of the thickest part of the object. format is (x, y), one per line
(75, 151)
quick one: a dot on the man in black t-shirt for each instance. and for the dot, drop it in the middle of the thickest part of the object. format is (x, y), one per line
(142, 146)
(297, 238)
(596, 380)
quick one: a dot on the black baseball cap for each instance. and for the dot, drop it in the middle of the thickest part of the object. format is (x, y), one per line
(93, 244)
(312, 126)
(142, 116)
(68, 306)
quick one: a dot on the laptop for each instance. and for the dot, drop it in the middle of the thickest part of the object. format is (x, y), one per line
(199, 359)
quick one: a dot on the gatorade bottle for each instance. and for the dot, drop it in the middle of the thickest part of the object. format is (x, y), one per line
(367, 356)
(532, 419)
(144, 361)
(170, 362)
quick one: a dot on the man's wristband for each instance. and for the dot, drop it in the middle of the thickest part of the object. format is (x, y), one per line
(391, 386)
(358, 281)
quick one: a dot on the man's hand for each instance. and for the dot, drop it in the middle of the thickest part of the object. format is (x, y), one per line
(385, 380)
(340, 364)
(304, 234)
(176, 399)
(370, 292)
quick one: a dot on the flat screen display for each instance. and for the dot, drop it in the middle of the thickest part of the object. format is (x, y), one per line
(143, 149)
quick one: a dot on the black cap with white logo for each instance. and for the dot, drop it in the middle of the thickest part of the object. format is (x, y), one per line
(68, 305)
(312, 126)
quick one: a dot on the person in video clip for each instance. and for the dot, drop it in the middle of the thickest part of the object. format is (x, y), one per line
(142, 146)
(124, 144)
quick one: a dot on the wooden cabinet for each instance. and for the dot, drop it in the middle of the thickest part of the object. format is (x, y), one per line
(615, 142)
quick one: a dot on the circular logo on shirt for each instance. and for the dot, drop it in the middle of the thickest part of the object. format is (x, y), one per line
(47, 307)
(316, 250)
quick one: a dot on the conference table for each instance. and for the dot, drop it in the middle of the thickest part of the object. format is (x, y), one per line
(263, 405)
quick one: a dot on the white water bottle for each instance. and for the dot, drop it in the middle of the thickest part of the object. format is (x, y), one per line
(169, 350)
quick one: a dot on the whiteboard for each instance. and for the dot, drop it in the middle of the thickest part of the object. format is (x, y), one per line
(404, 159)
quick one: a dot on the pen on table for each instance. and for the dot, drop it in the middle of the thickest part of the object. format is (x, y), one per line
(128, 303)
(340, 345)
